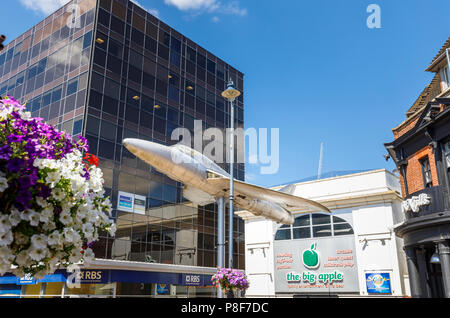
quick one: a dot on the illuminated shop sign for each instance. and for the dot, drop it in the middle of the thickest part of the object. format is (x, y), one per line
(162, 289)
(26, 280)
(192, 280)
(378, 283)
(323, 265)
(129, 202)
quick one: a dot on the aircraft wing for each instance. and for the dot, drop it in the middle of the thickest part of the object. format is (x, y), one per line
(249, 191)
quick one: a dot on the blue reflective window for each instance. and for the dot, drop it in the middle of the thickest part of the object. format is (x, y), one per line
(72, 87)
(41, 66)
(56, 94)
(174, 93)
(77, 126)
(36, 104)
(87, 40)
(175, 59)
(32, 72)
(46, 99)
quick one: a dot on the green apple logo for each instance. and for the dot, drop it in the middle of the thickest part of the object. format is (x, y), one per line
(311, 257)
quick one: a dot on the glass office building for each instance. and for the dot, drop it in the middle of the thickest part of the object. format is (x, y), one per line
(109, 70)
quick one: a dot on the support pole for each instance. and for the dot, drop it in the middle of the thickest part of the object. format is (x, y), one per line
(220, 239)
(231, 202)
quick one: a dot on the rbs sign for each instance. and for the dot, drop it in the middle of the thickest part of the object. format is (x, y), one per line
(192, 280)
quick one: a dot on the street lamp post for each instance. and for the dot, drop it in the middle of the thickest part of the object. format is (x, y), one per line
(231, 94)
(220, 239)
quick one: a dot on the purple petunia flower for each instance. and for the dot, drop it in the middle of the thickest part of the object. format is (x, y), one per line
(15, 165)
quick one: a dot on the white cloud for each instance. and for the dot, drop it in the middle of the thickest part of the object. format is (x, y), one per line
(185, 5)
(215, 19)
(232, 8)
(43, 6)
(211, 6)
(154, 12)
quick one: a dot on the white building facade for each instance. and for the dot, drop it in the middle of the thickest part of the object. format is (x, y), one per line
(351, 252)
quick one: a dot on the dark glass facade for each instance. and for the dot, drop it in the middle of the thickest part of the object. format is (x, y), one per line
(122, 73)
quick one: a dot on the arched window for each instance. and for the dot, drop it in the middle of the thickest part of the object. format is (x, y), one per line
(314, 225)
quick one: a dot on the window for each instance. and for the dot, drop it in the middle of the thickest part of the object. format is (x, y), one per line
(446, 153)
(321, 225)
(445, 76)
(284, 233)
(117, 25)
(115, 49)
(77, 127)
(314, 225)
(87, 40)
(426, 173)
(72, 87)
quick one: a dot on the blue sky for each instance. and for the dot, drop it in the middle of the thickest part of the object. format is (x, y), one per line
(313, 69)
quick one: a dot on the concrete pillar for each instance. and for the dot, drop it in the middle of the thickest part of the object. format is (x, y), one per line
(444, 255)
(413, 270)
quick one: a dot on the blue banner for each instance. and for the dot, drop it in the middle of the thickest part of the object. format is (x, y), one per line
(106, 276)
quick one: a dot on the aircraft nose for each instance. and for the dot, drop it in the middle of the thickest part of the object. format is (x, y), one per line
(151, 152)
(133, 145)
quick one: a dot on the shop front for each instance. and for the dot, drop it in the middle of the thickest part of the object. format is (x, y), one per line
(323, 265)
(107, 283)
(350, 252)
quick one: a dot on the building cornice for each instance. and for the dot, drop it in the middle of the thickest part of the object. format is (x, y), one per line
(335, 178)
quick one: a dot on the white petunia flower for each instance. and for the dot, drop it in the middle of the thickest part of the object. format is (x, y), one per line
(34, 219)
(39, 241)
(46, 214)
(25, 215)
(4, 268)
(15, 217)
(37, 253)
(65, 218)
(58, 194)
(41, 202)
(87, 229)
(71, 236)
(6, 254)
(3, 184)
(111, 229)
(88, 254)
(75, 256)
(5, 223)
(23, 259)
(54, 238)
(49, 226)
(6, 238)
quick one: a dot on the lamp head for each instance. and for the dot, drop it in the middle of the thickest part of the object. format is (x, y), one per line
(435, 259)
(230, 93)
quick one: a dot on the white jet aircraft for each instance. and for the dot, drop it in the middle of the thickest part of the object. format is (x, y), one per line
(204, 181)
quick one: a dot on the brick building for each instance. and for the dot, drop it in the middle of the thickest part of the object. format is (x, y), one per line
(421, 152)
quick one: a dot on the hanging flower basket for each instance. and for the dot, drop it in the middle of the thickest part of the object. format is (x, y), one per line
(52, 204)
(229, 279)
